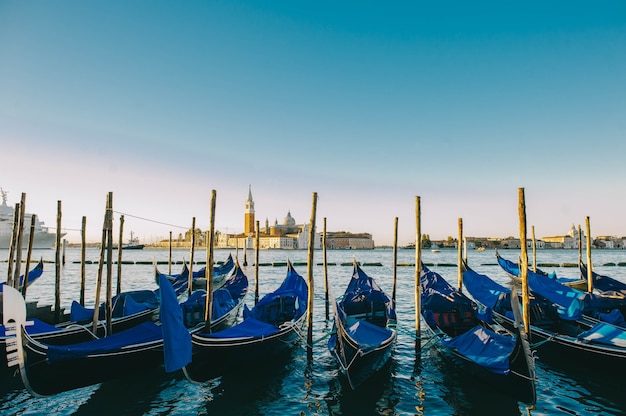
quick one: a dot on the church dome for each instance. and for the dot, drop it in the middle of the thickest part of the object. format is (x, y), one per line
(289, 221)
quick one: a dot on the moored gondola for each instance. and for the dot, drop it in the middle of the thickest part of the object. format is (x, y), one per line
(563, 337)
(473, 343)
(50, 369)
(364, 328)
(268, 330)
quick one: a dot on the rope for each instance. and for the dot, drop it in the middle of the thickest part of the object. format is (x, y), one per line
(86, 329)
(540, 343)
(154, 221)
(320, 339)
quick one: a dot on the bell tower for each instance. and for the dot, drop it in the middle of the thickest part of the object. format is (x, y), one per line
(248, 216)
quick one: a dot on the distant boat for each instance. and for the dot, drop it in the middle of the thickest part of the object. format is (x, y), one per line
(43, 239)
(133, 243)
(435, 250)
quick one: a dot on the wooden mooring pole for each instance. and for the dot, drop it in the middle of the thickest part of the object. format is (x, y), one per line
(20, 239)
(83, 247)
(191, 251)
(169, 259)
(534, 249)
(57, 272)
(119, 256)
(31, 240)
(418, 271)
(109, 296)
(589, 264)
(325, 265)
(103, 244)
(395, 261)
(524, 260)
(12, 244)
(460, 256)
(256, 263)
(580, 245)
(208, 274)
(310, 271)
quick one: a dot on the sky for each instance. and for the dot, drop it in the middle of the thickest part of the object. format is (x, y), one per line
(369, 104)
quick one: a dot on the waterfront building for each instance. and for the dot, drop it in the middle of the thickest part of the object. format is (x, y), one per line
(569, 240)
(346, 240)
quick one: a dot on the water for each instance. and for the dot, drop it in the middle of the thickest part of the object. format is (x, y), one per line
(303, 385)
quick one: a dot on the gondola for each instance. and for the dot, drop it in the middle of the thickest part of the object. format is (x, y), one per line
(364, 329)
(604, 284)
(474, 344)
(130, 309)
(267, 331)
(512, 270)
(220, 273)
(48, 369)
(33, 275)
(605, 307)
(564, 337)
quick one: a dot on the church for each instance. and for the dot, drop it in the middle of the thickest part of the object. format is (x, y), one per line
(287, 235)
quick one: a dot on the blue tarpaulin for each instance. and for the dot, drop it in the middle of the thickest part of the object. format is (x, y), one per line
(145, 332)
(249, 328)
(367, 335)
(176, 338)
(486, 348)
(483, 289)
(603, 333)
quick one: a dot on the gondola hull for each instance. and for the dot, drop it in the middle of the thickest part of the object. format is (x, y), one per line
(499, 358)
(43, 378)
(519, 383)
(214, 357)
(576, 344)
(73, 333)
(569, 352)
(364, 328)
(269, 330)
(357, 365)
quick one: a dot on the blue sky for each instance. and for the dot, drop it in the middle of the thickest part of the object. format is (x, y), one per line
(366, 103)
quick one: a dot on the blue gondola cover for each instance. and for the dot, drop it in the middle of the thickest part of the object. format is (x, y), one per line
(142, 333)
(176, 338)
(487, 349)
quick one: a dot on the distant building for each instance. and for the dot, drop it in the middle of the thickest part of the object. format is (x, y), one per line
(570, 240)
(346, 240)
(605, 241)
(286, 235)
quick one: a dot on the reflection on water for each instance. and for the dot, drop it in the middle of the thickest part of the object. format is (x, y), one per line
(375, 396)
(469, 397)
(309, 383)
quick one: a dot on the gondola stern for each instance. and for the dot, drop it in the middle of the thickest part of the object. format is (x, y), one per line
(15, 323)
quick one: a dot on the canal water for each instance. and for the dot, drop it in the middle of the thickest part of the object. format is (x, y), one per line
(308, 382)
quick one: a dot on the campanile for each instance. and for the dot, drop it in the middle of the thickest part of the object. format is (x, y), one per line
(248, 216)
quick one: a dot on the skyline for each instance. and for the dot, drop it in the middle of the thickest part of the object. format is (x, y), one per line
(366, 104)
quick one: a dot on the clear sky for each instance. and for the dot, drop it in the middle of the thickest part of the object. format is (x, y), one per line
(367, 103)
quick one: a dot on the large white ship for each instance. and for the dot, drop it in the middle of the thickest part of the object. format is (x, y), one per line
(43, 238)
